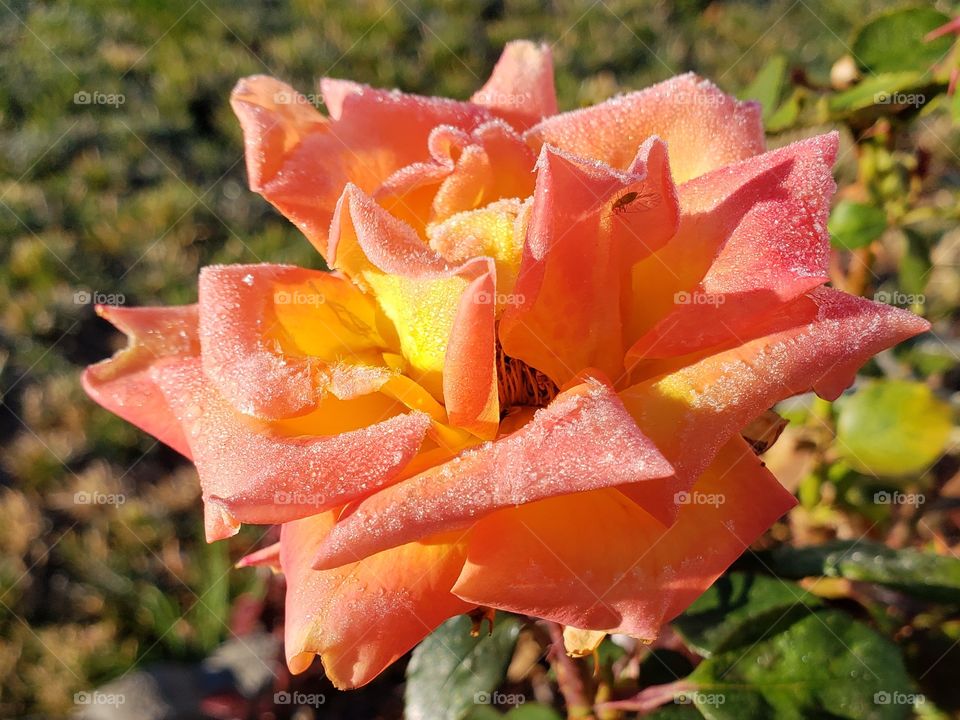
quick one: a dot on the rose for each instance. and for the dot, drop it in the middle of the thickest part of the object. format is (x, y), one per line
(537, 456)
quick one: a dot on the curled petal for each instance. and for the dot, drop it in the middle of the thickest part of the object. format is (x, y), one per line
(818, 342)
(469, 370)
(122, 384)
(752, 237)
(566, 448)
(704, 128)
(250, 472)
(496, 164)
(361, 617)
(521, 86)
(618, 569)
(300, 161)
(583, 236)
(265, 557)
(274, 338)
(425, 298)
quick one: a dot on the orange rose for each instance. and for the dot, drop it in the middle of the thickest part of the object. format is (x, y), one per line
(522, 385)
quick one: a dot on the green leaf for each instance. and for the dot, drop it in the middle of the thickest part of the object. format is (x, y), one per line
(824, 665)
(853, 225)
(675, 712)
(892, 428)
(923, 575)
(451, 673)
(894, 41)
(915, 264)
(768, 85)
(787, 114)
(738, 609)
(533, 711)
(886, 91)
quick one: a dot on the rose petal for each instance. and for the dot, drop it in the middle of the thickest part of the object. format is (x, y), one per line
(122, 384)
(820, 341)
(704, 128)
(276, 338)
(521, 85)
(761, 226)
(469, 370)
(566, 448)
(361, 617)
(422, 295)
(300, 161)
(581, 241)
(597, 561)
(251, 472)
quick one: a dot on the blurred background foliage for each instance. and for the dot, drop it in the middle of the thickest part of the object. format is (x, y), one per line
(121, 174)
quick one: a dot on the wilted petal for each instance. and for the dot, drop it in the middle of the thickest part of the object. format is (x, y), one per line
(251, 472)
(122, 384)
(583, 440)
(361, 617)
(521, 85)
(704, 128)
(752, 236)
(598, 561)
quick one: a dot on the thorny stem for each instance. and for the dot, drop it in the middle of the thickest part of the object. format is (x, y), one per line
(575, 693)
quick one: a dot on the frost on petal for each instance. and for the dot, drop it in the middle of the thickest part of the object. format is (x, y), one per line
(618, 569)
(361, 617)
(583, 440)
(704, 128)
(276, 338)
(496, 231)
(421, 294)
(521, 85)
(468, 171)
(587, 226)
(300, 160)
(752, 237)
(496, 164)
(122, 384)
(818, 342)
(256, 472)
